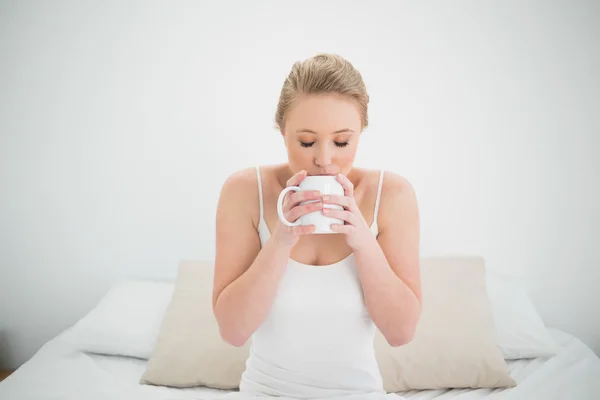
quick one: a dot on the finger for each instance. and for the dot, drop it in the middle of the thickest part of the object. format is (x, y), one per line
(343, 201)
(304, 209)
(345, 229)
(287, 204)
(305, 195)
(344, 215)
(304, 229)
(296, 179)
(346, 184)
(300, 197)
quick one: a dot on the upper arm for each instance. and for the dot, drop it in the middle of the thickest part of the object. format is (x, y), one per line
(237, 239)
(400, 230)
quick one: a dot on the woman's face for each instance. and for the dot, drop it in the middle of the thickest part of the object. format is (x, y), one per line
(321, 134)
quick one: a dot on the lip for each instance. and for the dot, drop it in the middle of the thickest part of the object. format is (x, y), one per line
(324, 174)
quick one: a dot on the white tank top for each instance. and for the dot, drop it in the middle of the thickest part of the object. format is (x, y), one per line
(317, 341)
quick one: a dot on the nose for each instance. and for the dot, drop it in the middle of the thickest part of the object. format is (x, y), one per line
(323, 156)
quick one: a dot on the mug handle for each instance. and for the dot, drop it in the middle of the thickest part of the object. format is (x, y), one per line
(280, 206)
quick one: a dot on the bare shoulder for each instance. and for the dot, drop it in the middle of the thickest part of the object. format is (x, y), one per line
(394, 184)
(240, 191)
(398, 199)
(239, 196)
(240, 182)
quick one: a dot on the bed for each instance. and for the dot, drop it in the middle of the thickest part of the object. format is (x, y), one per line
(152, 340)
(57, 371)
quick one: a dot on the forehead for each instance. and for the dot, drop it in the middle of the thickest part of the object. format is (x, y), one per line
(323, 113)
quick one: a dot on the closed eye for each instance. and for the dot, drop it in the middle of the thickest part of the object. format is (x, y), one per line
(309, 144)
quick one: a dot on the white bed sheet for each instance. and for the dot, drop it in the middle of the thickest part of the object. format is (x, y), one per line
(58, 372)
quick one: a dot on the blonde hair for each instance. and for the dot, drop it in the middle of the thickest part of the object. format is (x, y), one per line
(323, 73)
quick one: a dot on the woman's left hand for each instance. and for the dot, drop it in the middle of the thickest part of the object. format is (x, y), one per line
(355, 227)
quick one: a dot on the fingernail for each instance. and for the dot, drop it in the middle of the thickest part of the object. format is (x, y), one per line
(325, 198)
(325, 210)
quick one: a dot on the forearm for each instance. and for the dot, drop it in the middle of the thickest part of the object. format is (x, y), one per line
(245, 303)
(392, 305)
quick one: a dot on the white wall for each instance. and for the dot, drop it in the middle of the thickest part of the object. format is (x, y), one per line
(120, 122)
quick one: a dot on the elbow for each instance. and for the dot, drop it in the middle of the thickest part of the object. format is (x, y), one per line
(236, 341)
(233, 337)
(401, 335)
(404, 332)
(229, 333)
(400, 340)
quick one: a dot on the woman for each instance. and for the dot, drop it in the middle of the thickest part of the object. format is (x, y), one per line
(311, 302)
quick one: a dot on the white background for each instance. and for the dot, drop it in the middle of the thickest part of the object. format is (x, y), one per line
(119, 122)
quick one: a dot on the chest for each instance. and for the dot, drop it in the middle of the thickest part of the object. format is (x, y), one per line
(321, 250)
(331, 293)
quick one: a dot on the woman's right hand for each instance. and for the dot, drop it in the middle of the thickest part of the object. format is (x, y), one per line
(292, 210)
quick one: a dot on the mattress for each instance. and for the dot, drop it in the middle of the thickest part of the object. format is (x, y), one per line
(57, 371)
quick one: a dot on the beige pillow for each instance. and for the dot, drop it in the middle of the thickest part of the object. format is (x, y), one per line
(189, 350)
(454, 346)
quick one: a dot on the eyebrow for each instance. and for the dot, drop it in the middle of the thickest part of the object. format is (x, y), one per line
(313, 132)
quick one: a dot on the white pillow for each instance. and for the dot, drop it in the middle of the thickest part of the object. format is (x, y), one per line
(125, 322)
(520, 331)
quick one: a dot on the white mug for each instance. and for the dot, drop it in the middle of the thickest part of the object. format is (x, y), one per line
(326, 185)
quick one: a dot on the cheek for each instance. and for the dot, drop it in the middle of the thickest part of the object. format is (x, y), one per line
(298, 155)
(345, 157)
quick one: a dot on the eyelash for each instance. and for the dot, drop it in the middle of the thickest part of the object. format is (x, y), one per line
(338, 144)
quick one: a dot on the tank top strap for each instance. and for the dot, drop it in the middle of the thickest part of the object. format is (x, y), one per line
(375, 225)
(260, 194)
(263, 229)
